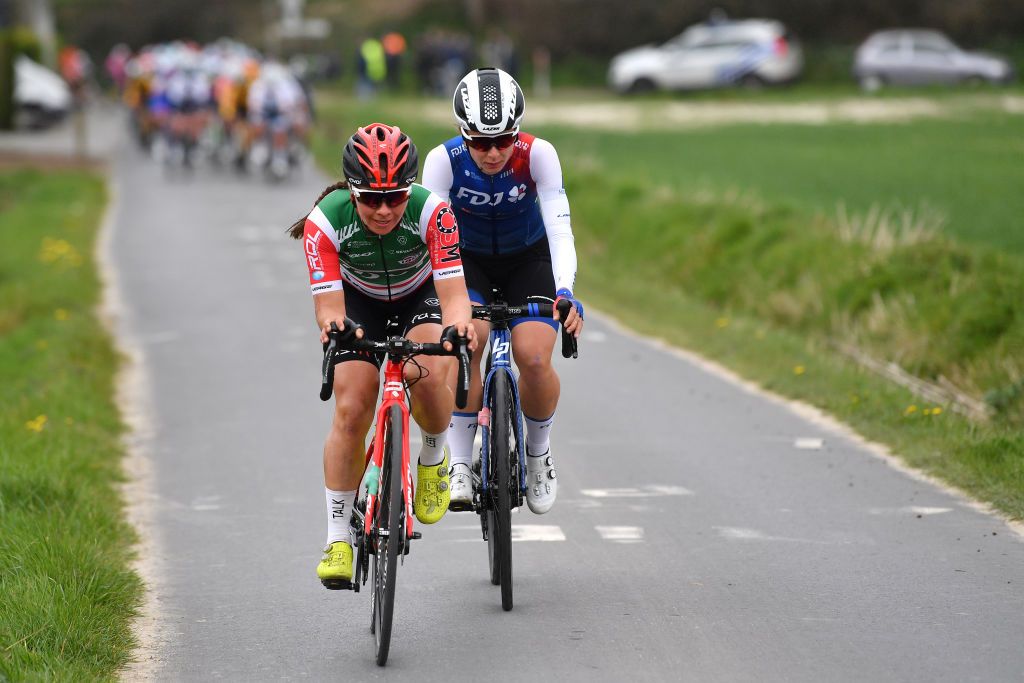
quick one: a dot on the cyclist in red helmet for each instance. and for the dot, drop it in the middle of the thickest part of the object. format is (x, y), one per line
(377, 244)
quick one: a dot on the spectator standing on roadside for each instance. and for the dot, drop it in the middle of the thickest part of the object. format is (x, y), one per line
(372, 68)
(394, 50)
(75, 70)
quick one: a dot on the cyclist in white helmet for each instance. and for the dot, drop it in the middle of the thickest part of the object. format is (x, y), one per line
(505, 187)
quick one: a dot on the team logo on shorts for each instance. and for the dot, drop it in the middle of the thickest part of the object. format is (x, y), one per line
(445, 220)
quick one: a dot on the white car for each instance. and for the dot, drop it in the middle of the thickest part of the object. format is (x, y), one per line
(40, 95)
(750, 52)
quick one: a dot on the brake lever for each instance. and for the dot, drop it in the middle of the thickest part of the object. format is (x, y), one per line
(570, 349)
(327, 371)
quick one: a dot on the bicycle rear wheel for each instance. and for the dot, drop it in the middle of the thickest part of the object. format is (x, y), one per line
(389, 528)
(500, 484)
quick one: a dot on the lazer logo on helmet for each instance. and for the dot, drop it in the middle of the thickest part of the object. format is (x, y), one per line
(516, 194)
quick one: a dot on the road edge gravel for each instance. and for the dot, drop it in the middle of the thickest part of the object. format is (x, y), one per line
(133, 398)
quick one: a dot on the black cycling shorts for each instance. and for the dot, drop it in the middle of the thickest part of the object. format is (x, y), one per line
(418, 307)
(523, 278)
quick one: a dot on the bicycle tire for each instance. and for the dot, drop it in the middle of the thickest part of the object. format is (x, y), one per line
(500, 460)
(388, 546)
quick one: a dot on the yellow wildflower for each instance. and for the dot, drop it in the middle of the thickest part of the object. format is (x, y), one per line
(799, 370)
(722, 322)
(37, 424)
(61, 314)
(59, 251)
(911, 409)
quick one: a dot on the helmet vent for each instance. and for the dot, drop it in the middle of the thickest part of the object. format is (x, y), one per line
(490, 98)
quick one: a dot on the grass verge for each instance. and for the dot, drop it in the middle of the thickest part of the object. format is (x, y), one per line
(675, 228)
(66, 591)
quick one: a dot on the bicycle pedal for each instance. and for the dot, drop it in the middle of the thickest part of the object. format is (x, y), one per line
(338, 584)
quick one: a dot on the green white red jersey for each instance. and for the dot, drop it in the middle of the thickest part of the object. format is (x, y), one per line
(342, 252)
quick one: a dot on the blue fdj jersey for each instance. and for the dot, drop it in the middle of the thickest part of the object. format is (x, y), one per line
(497, 214)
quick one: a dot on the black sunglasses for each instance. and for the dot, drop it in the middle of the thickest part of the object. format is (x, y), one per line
(373, 200)
(483, 143)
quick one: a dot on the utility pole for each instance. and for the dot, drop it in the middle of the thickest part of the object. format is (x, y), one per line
(6, 67)
(38, 14)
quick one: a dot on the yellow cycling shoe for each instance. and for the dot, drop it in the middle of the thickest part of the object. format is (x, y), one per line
(335, 568)
(432, 491)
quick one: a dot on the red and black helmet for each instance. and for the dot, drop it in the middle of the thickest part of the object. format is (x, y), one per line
(379, 158)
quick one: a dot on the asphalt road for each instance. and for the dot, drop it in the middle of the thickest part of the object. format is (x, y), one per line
(702, 532)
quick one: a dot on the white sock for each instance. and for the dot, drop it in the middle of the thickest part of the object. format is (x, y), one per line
(461, 434)
(538, 434)
(432, 452)
(339, 509)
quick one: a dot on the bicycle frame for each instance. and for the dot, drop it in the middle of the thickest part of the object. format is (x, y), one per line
(394, 395)
(501, 361)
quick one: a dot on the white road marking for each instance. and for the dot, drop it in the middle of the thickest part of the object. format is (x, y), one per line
(650, 491)
(621, 534)
(160, 337)
(740, 534)
(909, 510)
(809, 443)
(596, 337)
(536, 532)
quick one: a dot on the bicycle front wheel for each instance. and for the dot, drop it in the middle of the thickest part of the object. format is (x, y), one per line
(389, 528)
(500, 484)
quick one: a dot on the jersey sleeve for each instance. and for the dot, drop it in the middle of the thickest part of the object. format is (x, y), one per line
(440, 232)
(321, 243)
(554, 210)
(437, 173)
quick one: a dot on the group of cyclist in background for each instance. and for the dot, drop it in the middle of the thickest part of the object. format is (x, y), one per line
(221, 102)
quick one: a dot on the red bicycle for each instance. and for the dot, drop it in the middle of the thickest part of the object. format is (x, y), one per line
(382, 516)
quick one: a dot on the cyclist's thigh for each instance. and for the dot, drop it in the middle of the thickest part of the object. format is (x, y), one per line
(478, 281)
(356, 385)
(532, 342)
(530, 280)
(372, 315)
(421, 320)
(420, 314)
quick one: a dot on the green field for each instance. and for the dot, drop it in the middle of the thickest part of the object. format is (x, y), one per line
(66, 593)
(768, 246)
(968, 173)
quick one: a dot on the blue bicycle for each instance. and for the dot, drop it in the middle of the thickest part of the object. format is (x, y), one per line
(500, 473)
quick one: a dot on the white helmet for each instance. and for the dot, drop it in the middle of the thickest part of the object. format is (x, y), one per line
(488, 102)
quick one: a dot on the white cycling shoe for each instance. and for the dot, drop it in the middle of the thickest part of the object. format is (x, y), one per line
(541, 484)
(461, 487)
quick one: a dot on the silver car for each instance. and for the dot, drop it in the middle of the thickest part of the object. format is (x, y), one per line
(750, 52)
(923, 57)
